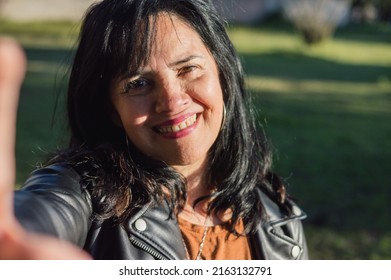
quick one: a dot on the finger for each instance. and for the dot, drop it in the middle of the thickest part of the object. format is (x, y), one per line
(12, 69)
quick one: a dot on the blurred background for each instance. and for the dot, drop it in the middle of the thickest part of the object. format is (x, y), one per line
(319, 72)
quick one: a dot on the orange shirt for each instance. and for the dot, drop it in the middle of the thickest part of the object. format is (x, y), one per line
(219, 243)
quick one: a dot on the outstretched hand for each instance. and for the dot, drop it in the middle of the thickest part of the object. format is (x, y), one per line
(15, 242)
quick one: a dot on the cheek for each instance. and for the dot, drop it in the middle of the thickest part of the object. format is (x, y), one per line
(208, 92)
(133, 112)
(215, 97)
(134, 121)
(131, 120)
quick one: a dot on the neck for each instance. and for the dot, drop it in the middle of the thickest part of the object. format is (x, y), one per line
(196, 187)
(196, 181)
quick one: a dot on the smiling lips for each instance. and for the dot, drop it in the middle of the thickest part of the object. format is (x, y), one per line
(177, 127)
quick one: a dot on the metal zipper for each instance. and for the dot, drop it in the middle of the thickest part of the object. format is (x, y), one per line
(147, 249)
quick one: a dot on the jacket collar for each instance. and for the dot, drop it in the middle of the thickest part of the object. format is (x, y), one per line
(153, 227)
(278, 236)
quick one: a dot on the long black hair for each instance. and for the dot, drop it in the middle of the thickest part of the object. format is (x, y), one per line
(115, 38)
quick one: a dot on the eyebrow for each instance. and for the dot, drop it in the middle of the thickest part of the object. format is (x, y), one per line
(173, 64)
(185, 60)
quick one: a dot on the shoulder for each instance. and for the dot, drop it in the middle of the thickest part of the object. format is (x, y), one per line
(59, 181)
(280, 232)
(273, 211)
(54, 201)
(59, 174)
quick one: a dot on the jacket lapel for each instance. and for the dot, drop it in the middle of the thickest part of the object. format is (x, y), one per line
(152, 227)
(278, 236)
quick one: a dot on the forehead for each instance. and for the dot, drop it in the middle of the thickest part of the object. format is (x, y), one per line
(174, 34)
(166, 23)
(164, 36)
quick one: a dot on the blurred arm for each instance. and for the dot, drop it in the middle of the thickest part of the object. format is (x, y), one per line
(15, 241)
(53, 202)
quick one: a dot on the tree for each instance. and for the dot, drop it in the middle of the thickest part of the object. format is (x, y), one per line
(384, 10)
(316, 20)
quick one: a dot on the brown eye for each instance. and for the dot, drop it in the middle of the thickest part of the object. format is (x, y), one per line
(137, 84)
(186, 69)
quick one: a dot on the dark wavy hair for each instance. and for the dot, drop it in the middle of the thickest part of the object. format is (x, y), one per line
(115, 38)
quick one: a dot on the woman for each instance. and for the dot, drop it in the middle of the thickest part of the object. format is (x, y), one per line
(164, 160)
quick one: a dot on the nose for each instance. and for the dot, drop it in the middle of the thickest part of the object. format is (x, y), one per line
(171, 96)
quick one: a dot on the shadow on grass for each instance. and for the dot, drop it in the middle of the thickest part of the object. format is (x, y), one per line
(376, 32)
(58, 55)
(40, 129)
(333, 149)
(335, 160)
(285, 65)
(336, 164)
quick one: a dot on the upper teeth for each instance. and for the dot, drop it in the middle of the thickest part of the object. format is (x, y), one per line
(178, 127)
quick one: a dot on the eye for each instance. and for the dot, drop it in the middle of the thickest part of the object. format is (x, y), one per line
(135, 85)
(187, 70)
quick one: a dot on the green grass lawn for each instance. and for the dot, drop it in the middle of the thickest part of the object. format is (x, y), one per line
(326, 109)
(48, 47)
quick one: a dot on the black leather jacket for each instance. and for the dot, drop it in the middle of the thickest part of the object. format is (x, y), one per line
(54, 202)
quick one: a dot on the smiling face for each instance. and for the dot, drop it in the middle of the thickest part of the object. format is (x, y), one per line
(171, 108)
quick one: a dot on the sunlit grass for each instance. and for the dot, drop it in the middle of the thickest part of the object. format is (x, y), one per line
(353, 52)
(340, 49)
(42, 34)
(326, 109)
